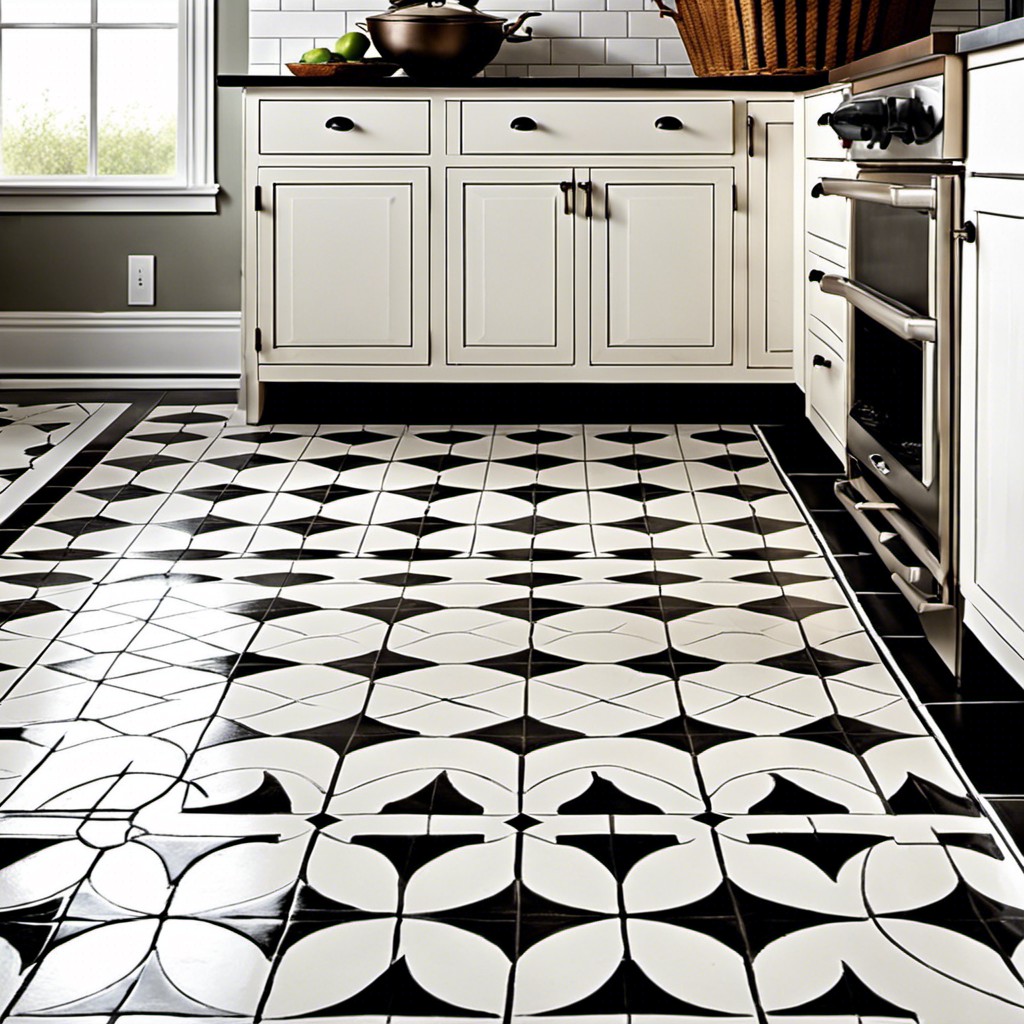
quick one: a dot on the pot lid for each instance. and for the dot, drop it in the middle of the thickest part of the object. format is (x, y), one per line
(435, 12)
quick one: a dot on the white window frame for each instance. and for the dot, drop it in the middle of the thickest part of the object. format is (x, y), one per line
(193, 190)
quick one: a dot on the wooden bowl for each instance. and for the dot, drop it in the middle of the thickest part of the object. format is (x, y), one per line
(352, 70)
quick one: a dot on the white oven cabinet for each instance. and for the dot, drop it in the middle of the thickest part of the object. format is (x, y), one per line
(992, 420)
(344, 261)
(417, 234)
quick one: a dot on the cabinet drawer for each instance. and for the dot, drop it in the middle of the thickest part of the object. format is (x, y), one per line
(819, 139)
(828, 313)
(828, 217)
(597, 126)
(826, 385)
(377, 126)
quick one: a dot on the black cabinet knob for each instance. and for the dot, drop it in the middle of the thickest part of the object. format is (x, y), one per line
(340, 124)
(668, 123)
(523, 124)
(816, 276)
(822, 361)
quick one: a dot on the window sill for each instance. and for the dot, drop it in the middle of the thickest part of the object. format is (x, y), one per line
(63, 199)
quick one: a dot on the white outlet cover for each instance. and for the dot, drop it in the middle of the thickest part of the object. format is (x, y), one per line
(141, 280)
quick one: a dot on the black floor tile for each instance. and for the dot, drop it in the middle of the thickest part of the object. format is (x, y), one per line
(891, 615)
(800, 449)
(866, 574)
(817, 491)
(842, 535)
(1011, 813)
(986, 737)
(928, 675)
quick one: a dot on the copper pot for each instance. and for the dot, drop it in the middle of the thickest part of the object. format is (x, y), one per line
(438, 43)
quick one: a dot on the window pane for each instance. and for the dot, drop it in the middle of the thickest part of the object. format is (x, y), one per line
(138, 101)
(139, 12)
(45, 123)
(42, 11)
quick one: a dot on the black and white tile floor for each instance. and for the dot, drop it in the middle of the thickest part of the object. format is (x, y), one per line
(517, 724)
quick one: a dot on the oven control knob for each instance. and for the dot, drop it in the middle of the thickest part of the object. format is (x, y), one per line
(911, 121)
(863, 120)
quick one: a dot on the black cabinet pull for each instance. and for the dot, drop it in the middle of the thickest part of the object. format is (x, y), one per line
(968, 233)
(340, 124)
(817, 191)
(587, 187)
(815, 276)
(566, 189)
(822, 361)
(523, 124)
(668, 123)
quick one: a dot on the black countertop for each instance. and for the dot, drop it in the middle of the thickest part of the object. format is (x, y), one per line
(992, 35)
(738, 84)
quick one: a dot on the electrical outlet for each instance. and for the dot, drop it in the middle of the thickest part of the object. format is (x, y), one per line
(141, 280)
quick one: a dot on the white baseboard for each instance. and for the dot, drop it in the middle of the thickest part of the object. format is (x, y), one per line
(137, 349)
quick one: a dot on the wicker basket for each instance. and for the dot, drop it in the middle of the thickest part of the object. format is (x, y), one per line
(792, 37)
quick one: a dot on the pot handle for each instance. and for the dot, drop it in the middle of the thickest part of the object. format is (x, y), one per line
(362, 25)
(664, 11)
(509, 31)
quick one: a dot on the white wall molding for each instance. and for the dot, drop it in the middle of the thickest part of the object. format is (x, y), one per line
(138, 348)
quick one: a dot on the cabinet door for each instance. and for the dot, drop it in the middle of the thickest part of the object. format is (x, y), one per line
(992, 469)
(771, 206)
(343, 266)
(661, 266)
(510, 266)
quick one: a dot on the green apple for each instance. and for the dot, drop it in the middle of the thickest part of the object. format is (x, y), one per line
(352, 46)
(321, 55)
(336, 58)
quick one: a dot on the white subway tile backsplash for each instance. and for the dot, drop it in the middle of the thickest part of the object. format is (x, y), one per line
(631, 51)
(585, 38)
(603, 24)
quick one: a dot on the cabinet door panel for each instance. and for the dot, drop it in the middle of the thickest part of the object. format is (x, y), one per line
(661, 249)
(770, 211)
(510, 268)
(993, 415)
(347, 261)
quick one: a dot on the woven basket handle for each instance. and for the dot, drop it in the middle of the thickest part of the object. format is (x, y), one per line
(665, 11)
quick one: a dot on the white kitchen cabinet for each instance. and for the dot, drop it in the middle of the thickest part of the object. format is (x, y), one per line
(771, 260)
(343, 260)
(412, 234)
(992, 420)
(510, 266)
(661, 266)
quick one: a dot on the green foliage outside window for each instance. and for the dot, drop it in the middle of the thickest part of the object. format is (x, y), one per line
(36, 143)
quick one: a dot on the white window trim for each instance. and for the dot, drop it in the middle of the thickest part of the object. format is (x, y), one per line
(198, 194)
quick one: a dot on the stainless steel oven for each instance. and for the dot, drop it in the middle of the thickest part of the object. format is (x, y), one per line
(902, 294)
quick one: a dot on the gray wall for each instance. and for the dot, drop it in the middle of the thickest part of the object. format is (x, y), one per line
(79, 262)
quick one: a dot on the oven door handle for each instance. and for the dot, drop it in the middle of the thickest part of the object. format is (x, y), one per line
(852, 498)
(899, 319)
(906, 197)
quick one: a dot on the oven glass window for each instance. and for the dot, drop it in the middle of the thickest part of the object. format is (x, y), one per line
(888, 391)
(893, 249)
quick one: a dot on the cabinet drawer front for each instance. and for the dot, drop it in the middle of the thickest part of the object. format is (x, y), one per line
(826, 385)
(828, 217)
(828, 313)
(605, 126)
(377, 126)
(820, 140)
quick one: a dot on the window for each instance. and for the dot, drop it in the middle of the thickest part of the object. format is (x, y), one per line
(106, 105)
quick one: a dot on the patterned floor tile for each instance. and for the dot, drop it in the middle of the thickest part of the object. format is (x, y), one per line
(549, 723)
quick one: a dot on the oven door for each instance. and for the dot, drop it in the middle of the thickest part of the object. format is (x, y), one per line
(900, 294)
